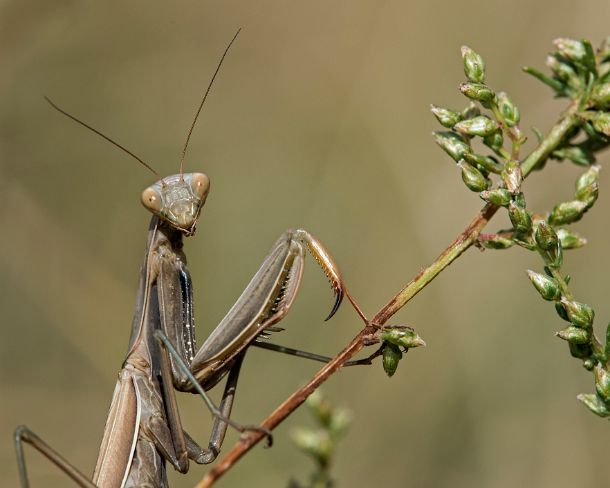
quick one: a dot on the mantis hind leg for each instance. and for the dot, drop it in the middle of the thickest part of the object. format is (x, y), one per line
(24, 434)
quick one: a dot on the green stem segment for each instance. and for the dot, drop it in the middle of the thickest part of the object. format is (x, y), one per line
(469, 236)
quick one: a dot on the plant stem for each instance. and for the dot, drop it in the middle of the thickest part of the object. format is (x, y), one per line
(463, 241)
(568, 121)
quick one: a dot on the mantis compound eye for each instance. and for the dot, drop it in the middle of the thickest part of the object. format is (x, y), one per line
(151, 199)
(200, 185)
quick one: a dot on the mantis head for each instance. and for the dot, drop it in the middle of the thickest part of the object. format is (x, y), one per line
(178, 199)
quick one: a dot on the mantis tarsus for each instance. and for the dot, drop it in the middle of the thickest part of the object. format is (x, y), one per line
(143, 429)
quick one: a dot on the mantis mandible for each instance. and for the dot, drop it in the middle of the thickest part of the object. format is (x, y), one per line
(143, 429)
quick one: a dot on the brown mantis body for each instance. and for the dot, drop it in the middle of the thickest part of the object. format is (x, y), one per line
(143, 429)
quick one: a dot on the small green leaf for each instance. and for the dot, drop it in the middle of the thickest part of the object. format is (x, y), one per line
(538, 133)
(577, 154)
(556, 85)
(497, 242)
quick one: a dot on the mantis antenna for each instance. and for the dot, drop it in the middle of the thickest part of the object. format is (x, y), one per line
(188, 136)
(146, 165)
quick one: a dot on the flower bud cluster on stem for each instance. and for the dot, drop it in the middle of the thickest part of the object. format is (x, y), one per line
(582, 74)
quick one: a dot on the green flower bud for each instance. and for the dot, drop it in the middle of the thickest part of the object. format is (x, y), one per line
(564, 72)
(315, 443)
(402, 336)
(604, 50)
(508, 109)
(567, 212)
(520, 218)
(390, 358)
(602, 383)
(570, 48)
(588, 194)
(576, 154)
(580, 314)
(574, 335)
(548, 244)
(561, 311)
(474, 66)
(580, 351)
(600, 95)
(589, 363)
(595, 404)
(497, 196)
(473, 178)
(494, 141)
(545, 236)
(601, 123)
(547, 287)
(588, 177)
(452, 143)
(320, 408)
(589, 61)
(447, 118)
(570, 240)
(497, 242)
(471, 111)
(512, 176)
(587, 189)
(479, 92)
(484, 162)
(479, 126)
(339, 423)
(607, 346)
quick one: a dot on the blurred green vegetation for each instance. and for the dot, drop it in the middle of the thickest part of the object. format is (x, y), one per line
(319, 119)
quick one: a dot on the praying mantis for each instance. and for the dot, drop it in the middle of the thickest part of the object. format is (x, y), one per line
(143, 429)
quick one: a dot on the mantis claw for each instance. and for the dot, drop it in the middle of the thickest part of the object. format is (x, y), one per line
(263, 430)
(326, 262)
(338, 300)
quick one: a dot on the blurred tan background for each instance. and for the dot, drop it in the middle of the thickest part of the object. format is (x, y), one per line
(319, 119)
